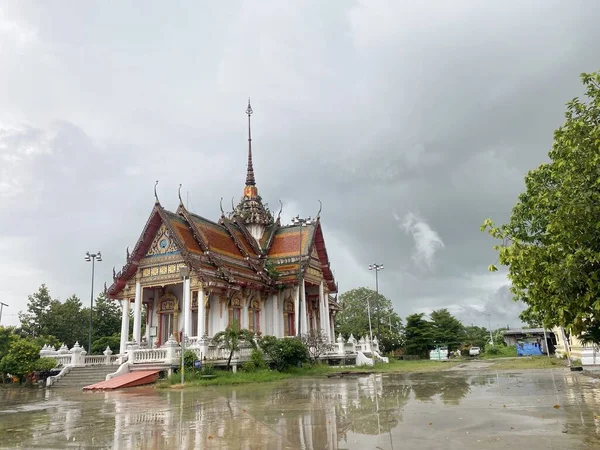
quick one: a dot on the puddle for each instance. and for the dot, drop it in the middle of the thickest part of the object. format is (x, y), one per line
(449, 410)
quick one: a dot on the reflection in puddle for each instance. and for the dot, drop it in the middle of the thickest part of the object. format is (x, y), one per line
(380, 411)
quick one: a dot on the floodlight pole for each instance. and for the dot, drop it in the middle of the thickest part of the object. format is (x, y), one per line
(92, 257)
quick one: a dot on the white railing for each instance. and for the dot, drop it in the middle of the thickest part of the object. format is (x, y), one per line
(94, 360)
(152, 355)
(61, 360)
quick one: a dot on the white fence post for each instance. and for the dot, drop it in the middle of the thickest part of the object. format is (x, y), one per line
(107, 354)
(77, 355)
(340, 343)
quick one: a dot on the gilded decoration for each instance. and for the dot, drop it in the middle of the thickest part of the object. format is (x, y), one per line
(168, 303)
(166, 273)
(314, 253)
(314, 272)
(163, 243)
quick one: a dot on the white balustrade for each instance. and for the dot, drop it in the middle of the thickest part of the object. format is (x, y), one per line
(152, 355)
(94, 360)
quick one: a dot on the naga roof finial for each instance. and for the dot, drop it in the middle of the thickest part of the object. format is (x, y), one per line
(320, 208)
(179, 194)
(221, 206)
(155, 194)
(280, 209)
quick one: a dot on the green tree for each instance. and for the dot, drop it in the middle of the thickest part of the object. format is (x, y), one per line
(7, 336)
(475, 336)
(446, 329)
(391, 338)
(20, 359)
(354, 316)
(551, 243)
(68, 321)
(34, 321)
(106, 317)
(418, 335)
(231, 338)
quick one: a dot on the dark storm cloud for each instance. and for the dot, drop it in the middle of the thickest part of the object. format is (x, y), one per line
(411, 121)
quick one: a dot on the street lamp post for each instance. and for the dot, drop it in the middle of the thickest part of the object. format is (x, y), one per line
(298, 221)
(185, 273)
(377, 268)
(1, 306)
(490, 327)
(93, 257)
(368, 299)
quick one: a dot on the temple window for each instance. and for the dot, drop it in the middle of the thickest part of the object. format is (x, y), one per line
(254, 317)
(235, 309)
(289, 328)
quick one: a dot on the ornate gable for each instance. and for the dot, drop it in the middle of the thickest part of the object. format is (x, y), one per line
(163, 244)
(314, 253)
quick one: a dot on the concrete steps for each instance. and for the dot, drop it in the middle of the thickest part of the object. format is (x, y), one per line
(79, 377)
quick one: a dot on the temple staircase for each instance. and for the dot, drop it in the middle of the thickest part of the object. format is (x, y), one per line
(78, 377)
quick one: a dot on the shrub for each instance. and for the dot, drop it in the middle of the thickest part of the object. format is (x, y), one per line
(256, 362)
(207, 369)
(114, 342)
(20, 358)
(284, 352)
(188, 359)
(44, 364)
(500, 350)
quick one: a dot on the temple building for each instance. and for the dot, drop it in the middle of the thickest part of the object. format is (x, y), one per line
(193, 277)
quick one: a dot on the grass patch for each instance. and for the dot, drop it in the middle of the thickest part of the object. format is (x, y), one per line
(529, 362)
(397, 366)
(222, 377)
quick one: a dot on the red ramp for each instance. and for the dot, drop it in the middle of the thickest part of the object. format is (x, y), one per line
(130, 379)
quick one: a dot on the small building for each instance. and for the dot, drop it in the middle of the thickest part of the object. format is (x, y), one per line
(531, 337)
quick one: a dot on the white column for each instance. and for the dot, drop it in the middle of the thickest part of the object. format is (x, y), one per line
(201, 330)
(304, 317)
(137, 313)
(187, 316)
(322, 313)
(124, 326)
(297, 309)
(244, 312)
(328, 321)
(331, 328)
(275, 315)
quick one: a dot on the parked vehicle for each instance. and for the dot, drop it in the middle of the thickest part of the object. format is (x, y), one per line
(474, 351)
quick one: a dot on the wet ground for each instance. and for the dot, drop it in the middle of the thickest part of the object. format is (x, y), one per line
(475, 409)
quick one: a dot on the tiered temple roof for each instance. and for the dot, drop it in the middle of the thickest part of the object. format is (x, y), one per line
(232, 252)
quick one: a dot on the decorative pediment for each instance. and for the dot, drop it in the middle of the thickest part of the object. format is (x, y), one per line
(163, 244)
(168, 303)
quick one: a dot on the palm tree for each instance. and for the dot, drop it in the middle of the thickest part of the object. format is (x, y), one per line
(231, 338)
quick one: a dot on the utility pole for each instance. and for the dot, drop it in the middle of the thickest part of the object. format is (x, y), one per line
(490, 327)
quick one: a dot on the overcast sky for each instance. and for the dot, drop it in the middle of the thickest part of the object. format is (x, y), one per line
(411, 121)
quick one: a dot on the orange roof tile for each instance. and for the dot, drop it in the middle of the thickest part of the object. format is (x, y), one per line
(286, 242)
(217, 237)
(184, 233)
